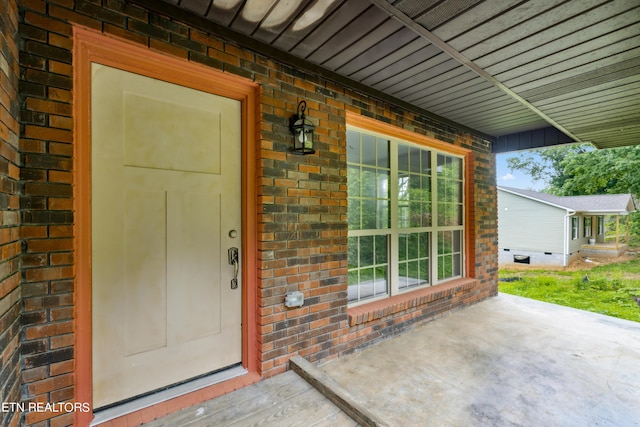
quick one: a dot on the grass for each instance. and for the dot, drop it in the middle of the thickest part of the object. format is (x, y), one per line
(605, 289)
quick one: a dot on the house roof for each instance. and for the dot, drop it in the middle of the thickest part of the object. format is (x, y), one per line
(597, 204)
(523, 74)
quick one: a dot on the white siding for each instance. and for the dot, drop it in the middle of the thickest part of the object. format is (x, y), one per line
(528, 225)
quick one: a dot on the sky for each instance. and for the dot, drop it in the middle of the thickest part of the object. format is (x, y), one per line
(516, 179)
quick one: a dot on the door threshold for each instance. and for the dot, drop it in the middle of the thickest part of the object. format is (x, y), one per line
(164, 395)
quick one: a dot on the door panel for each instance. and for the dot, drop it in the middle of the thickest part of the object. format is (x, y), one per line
(164, 198)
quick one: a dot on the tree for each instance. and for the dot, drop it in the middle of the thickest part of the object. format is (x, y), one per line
(580, 169)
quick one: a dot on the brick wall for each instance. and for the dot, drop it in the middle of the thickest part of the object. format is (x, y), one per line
(302, 200)
(9, 215)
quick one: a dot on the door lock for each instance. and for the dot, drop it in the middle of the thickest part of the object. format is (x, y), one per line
(233, 260)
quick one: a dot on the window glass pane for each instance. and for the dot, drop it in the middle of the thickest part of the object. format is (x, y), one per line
(426, 188)
(415, 210)
(426, 162)
(383, 153)
(403, 158)
(414, 159)
(353, 147)
(402, 247)
(381, 250)
(403, 187)
(368, 183)
(383, 214)
(366, 250)
(383, 184)
(414, 246)
(353, 252)
(354, 214)
(369, 214)
(403, 280)
(353, 181)
(368, 150)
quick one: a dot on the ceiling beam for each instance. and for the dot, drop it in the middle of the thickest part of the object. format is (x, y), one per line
(405, 20)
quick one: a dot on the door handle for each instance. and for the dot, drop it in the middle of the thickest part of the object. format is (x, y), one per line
(233, 260)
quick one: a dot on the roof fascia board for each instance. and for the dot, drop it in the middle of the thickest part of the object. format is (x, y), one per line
(568, 209)
(448, 49)
(183, 15)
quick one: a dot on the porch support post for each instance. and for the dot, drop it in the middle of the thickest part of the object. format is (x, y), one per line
(617, 231)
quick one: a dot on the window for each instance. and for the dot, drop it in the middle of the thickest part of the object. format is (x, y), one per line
(575, 225)
(601, 225)
(406, 215)
(587, 226)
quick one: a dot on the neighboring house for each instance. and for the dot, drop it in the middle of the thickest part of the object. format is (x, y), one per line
(542, 229)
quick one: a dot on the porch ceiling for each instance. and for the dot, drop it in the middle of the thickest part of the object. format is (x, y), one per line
(500, 67)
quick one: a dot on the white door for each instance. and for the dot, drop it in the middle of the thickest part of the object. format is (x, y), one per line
(166, 197)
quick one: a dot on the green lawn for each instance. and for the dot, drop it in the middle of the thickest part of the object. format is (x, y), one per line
(605, 289)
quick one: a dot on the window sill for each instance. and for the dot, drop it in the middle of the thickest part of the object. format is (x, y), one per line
(388, 306)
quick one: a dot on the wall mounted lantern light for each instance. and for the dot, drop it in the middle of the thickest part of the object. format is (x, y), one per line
(302, 131)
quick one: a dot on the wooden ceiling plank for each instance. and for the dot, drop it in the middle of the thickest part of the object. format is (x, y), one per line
(292, 35)
(590, 91)
(421, 73)
(358, 30)
(394, 56)
(595, 100)
(606, 73)
(502, 105)
(478, 93)
(357, 51)
(604, 115)
(576, 31)
(500, 23)
(550, 20)
(199, 7)
(341, 17)
(556, 68)
(433, 88)
(617, 101)
(437, 95)
(377, 54)
(472, 18)
(422, 61)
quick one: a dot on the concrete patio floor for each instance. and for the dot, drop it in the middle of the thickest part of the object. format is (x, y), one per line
(506, 361)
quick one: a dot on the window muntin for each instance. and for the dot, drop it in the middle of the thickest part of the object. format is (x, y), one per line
(418, 215)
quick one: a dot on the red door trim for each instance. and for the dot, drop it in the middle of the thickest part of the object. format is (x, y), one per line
(91, 46)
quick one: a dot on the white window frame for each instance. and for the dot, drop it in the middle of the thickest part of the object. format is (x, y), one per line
(575, 228)
(393, 231)
(587, 227)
